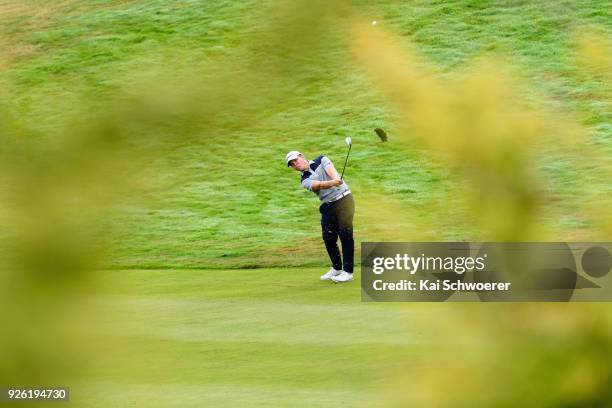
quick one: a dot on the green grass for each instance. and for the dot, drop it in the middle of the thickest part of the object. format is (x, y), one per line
(229, 201)
(172, 331)
(265, 337)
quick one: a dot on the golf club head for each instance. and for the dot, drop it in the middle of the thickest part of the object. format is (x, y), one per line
(348, 141)
(381, 134)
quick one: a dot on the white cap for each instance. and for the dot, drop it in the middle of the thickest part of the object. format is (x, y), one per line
(291, 155)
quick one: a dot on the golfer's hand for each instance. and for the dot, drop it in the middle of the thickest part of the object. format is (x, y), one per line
(336, 182)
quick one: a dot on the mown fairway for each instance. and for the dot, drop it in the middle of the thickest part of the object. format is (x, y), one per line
(230, 338)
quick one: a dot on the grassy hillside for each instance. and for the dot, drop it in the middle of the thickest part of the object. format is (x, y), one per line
(223, 197)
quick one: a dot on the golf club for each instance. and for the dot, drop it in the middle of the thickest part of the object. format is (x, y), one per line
(349, 142)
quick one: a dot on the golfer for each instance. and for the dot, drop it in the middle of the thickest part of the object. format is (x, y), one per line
(337, 209)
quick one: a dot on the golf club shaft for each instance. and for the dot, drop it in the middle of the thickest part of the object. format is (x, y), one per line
(345, 160)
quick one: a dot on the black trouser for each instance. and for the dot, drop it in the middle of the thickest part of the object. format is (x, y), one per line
(337, 220)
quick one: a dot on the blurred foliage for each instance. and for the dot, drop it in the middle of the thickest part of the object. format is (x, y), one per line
(60, 187)
(66, 183)
(543, 355)
(478, 124)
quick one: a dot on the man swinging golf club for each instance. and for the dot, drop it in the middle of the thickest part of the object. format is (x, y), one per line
(337, 209)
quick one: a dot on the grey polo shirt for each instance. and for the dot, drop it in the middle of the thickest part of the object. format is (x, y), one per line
(317, 173)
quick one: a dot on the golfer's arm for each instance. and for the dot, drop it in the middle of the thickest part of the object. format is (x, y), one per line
(322, 185)
(331, 172)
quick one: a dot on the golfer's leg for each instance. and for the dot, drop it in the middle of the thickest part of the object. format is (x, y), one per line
(329, 227)
(345, 213)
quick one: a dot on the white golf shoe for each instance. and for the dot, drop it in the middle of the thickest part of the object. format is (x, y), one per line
(342, 277)
(332, 272)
